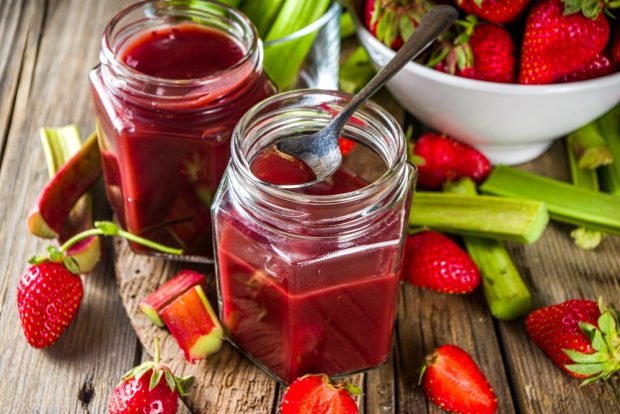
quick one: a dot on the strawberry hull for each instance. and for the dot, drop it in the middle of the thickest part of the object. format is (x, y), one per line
(193, 324)
(169, 291)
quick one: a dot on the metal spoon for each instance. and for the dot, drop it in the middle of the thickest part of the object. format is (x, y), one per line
(320, 150)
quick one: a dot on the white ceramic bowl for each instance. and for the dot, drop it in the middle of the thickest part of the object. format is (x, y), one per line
(511, 124)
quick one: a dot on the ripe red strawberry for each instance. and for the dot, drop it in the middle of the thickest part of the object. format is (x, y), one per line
(316, 394)
(393, 21)
(478, 51)
(452, 380)
(495, 11)
(48, 298)
(615, 46)
(445, 159)
(560, 38)
(602, 65)
(148, 388)
(438, 263)
(346, 146)
(580, 336)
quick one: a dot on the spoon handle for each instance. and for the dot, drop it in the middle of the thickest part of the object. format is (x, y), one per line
(434, 23)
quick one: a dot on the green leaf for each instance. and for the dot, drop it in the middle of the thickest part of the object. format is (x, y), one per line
(598, 342)
(586, 369)
(155, 377)
(353, 389)
(582, 358)
(170, 380)
(607, 324)
(71, 264)
(406, 27)
(587, 329)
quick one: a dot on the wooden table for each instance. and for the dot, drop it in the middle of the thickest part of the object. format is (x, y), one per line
(46, 50)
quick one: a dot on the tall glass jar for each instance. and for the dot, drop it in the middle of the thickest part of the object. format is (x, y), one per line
(165, 137)
(308, 280)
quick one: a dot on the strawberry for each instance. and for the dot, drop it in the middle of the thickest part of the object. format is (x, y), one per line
(615, 46)
(602, 65)
(495, 11)
(580, 336)
(393, 21)
(478, 51)
(48, 298)
(444, 159)
(452, 381)
(148, 388)
(316, 394)
(346, 146)
(561, 36)
(438, 263)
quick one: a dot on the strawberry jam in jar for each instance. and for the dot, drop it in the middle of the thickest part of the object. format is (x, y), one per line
(308, 276)
(174, 79)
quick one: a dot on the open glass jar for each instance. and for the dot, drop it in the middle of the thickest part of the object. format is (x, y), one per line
(165, 112)
(308, 280)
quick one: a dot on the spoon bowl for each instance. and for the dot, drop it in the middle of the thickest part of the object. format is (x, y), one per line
(320, 150)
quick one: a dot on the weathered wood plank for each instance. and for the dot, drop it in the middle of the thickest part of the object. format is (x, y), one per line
(426, 320)
(20, 24)
(79, 372)
(556, 270)
(227, 382)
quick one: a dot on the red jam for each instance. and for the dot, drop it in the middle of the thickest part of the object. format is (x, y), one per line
(315, 306)
(165, 150)
(186, 51)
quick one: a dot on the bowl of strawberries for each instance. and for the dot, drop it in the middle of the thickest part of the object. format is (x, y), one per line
(510, 76)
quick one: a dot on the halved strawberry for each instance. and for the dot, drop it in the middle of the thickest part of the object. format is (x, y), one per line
(316, 394)
(452, 380)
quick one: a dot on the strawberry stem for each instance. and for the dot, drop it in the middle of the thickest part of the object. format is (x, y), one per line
(107, 228)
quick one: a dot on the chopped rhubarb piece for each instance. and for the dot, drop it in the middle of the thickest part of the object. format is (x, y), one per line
(86, 253)
(193, 323)
(183, 281)
(61, 193)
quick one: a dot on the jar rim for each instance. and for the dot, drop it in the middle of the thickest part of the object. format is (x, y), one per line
(393, 170)
(108, 52)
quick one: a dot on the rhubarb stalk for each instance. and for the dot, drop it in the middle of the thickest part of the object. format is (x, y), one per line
(59, 146)
(590, 147)
(482, 216)
(505, 292)
(566, 202)
(584, 237)
(609, 125)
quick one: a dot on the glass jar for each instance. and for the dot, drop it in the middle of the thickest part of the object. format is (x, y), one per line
(165, 140)
(308, 281)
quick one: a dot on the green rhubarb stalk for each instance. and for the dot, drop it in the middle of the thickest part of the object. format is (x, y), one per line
(262, 13)
(504, 290)
(347, 27)
(585, 238)
(59, 145)
(590, 147)
(566, 202)
(283, 60)
(482, 216)
(609, 125)
(356, 71)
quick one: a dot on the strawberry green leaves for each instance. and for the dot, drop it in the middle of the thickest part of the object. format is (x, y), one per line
(605, 361)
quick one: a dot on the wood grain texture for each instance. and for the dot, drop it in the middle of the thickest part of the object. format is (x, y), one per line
(46, 50)
(556, 270)
(78, 373)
